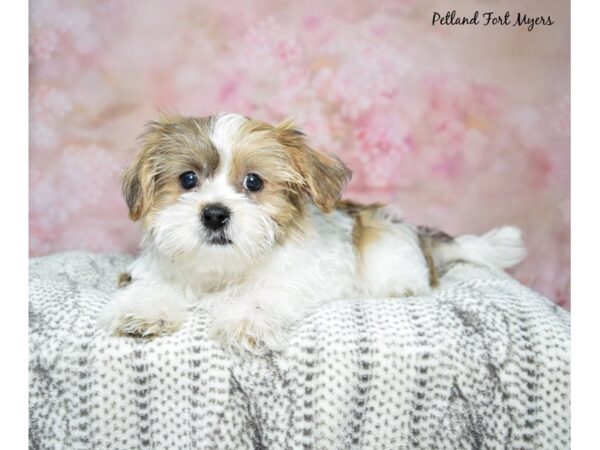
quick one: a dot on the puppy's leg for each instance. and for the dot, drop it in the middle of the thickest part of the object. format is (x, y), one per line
(393, 265)
(258, 324)
(145, 310)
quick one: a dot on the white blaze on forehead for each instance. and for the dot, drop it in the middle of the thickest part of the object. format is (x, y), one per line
(225, 130)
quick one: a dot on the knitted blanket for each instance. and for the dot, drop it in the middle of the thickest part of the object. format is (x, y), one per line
(483, 363)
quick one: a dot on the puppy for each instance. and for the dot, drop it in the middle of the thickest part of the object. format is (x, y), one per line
(245, 220)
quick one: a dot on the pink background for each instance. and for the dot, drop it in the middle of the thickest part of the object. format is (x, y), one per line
(462, 127)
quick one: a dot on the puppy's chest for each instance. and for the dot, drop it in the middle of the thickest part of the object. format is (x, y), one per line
(319, 267)
(208, 284)
(321, 264)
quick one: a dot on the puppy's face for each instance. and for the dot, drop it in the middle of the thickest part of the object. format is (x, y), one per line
(226, 188)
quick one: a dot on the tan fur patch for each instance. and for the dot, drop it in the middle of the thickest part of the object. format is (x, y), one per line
(257, 150)
(124, 279)
(325, 177)
(170, 147)
(429, 238)
(426, 249)
(367, 226)
(290, 170)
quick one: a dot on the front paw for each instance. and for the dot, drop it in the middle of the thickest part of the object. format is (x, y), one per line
(135, 324)
(255, 333)
(141, 313)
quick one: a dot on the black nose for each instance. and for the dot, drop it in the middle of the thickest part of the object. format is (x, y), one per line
(215, 216)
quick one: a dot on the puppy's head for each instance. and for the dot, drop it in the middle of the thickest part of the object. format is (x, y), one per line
(227, 188)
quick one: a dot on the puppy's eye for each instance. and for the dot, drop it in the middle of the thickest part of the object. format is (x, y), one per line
(188, 180)
(253, 182)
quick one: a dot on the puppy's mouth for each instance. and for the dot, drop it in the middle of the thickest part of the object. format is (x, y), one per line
(219, 239)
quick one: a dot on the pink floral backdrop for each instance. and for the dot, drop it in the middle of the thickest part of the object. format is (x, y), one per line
(463, 128)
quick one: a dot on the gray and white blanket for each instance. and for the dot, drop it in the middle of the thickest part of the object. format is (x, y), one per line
(483, 363)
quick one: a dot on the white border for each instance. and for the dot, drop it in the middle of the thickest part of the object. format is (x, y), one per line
(585, 231)
(13, 237)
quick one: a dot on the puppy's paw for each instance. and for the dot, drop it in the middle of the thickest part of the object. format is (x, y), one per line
(135, 325)
(249, 330)
(141, 312)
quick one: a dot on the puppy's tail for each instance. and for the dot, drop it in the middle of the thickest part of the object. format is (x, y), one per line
(500, 248)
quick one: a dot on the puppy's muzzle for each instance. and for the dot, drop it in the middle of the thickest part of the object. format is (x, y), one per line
(215, 216)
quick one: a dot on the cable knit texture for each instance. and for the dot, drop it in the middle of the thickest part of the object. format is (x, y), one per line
(482, 363)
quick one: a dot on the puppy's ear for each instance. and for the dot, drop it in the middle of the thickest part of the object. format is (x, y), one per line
(138, 184)
(324, 177)
(132, 189)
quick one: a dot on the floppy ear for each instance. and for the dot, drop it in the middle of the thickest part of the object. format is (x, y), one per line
(132, 189)
(324, 177)
(137, 184)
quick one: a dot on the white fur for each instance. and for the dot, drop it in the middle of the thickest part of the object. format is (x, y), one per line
(499, 248)
(394, 265)
(255, 288)
(145, 309)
